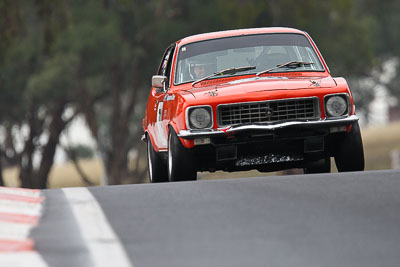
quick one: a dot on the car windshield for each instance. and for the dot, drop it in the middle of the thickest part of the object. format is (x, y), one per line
(264, 51)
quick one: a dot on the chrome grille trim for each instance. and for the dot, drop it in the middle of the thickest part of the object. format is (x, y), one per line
(267, 112)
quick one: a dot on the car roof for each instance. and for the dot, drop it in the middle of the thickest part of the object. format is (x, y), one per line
(229, 33)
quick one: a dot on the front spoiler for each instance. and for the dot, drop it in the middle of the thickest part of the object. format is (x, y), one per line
(191, 134)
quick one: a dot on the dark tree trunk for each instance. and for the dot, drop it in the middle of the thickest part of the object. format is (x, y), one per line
(26, 159)
(114, 154)
(29, 177)
(1, 169)
(122, 114)
(57, 125)
(73, 157)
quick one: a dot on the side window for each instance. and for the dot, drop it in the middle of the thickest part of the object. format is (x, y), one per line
(166, 63)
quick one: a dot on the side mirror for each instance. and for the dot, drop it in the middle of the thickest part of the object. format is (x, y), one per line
(159, 83)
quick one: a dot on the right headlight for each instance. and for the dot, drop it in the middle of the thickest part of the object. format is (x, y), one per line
(200, 117)
(336, 105)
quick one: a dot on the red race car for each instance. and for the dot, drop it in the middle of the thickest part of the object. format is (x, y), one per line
(248, 99)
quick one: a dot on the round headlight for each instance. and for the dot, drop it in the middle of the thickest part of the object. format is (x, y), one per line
(200, 118)
(336, 106)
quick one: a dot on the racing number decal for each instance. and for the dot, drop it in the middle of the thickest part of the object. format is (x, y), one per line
(161, 133)
(159, 111)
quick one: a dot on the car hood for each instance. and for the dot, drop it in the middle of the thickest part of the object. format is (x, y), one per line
(255, 85)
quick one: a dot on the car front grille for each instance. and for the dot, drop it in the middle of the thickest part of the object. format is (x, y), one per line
(268, 111)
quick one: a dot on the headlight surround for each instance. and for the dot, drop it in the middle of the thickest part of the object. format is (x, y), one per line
(199, 117)
(337, 105)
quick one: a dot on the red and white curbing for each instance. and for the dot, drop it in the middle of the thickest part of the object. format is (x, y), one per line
(20, 210)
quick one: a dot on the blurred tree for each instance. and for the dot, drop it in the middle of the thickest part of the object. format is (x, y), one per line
(32, 106)
(386, 37)
(119, 50)
(108, 75)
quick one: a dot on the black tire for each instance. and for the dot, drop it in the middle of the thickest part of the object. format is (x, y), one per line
(349, 155)
(180, 160)
(320, 166)
(158, 169)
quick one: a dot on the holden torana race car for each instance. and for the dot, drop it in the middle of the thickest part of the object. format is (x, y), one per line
(248, 99)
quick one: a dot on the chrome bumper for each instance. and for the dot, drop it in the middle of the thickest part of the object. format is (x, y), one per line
(190, 134)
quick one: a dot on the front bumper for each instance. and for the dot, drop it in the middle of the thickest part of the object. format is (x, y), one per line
(192, 134)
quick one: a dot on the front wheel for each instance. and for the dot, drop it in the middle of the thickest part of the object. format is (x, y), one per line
(349, 155)
(180, 160)
(158, 171)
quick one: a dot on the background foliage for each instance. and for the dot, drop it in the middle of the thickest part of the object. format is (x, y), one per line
(60, 59)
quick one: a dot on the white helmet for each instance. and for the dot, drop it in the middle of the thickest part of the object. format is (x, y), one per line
(201, 67)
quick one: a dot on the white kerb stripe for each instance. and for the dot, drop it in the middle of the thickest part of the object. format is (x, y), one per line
(22, 259)
(14, 231)
(20, 192)
(104, 245)
(20, 207)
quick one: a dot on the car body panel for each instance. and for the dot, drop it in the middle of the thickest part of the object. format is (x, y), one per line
(166, 110)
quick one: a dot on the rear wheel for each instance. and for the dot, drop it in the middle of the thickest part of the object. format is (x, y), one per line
(180, 160)
(320, 166)
(349, 155)
(158, 169)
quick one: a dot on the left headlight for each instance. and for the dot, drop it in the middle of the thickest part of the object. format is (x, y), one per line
(200, 117)
(336, 105)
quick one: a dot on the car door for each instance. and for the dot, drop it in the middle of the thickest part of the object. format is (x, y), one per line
(161, 137)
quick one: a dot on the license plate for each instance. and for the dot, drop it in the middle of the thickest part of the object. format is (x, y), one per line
(202, 141)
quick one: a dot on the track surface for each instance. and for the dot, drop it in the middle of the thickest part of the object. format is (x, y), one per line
(350, 219)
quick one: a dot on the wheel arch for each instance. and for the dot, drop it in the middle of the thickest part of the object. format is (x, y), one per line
(149, 138)
(185, 142)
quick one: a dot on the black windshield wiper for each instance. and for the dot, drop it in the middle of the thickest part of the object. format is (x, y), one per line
(290, 64)
(225, 72)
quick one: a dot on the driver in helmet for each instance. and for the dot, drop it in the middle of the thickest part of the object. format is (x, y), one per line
(200, 69)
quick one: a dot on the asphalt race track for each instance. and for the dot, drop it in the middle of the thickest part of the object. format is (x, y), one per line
(348, 219)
